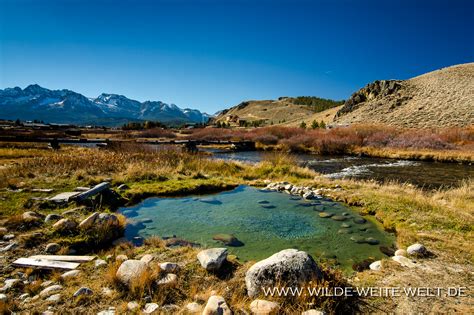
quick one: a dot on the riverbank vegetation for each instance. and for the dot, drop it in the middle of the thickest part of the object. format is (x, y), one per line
(453, 144)
(442, 220)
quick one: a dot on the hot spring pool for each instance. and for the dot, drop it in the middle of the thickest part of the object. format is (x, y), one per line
(264, 222)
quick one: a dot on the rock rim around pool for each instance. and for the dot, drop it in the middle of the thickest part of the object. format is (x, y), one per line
(212, 259)
(228, 240)
(290, 267)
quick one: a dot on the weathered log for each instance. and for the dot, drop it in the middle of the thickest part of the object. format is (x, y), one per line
(93, 191)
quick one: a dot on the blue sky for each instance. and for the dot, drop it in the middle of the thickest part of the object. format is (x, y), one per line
(214, 54)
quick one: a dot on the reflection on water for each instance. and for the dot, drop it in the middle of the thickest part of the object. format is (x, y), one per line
(430, 175)
(263, 222)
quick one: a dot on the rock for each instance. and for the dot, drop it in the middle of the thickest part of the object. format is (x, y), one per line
(325, 215)
(47, 283)
(345, 225)
(24, 296)
(405, 262)
(371, 241)
(169, 280)
(70, 274)
(32, 216)
(344, 231)
(65, 224)
(170, 309)
(88, 222)
(123, 187)
(358, 239)
(401, 252)
(313, 312)
(131, 270)
(55, 298)
(83, 291)
(110, 311)
(8, 237)
(376, 265)
(339, 218)
(3, 297)
(50, 218)
(100, 263)
(213, 258)
(50, 290)
(3, 230)
(9, 284)
(359, 220)
(147, 258)
(150, 308)
(53, 248)
(290, 267)
(387, 250)
(216, 305)
(228, 240)
(121, 258)
(108, 292)
(262, 307)
(169, 267)
(417, 250)
(133, 306)
(193, 308)
(263, 202)
(9, 247)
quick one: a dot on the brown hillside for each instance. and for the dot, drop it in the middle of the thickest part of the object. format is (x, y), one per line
(442, 98)
(271, 111)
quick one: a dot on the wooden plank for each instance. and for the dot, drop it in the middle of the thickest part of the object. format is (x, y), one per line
(69, 258)
(65, 196)
(45, 264)
(93, 191)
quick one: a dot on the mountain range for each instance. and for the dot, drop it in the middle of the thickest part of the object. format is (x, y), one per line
(66, 106)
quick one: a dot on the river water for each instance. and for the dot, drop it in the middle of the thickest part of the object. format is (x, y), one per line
(428, 175)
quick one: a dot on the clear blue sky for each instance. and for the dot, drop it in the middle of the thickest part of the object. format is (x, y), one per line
(214, 54)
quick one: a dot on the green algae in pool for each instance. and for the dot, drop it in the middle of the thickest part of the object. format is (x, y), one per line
(265, 222)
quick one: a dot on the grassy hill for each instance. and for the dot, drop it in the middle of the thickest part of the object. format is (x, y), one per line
(284, 111)
(442, 98)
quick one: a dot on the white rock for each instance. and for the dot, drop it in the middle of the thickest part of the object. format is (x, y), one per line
(290, 267)
(401, 252)
(313, 312)
(47, 283)
(55, 298)
(83, 291)
(212, 259)
(9, 283)
(71, 274)
(108, 292)
(131, 270)
(193, 308)
(416, 250)
(100, 263)
(169, 279)
(24, 296)
(64, 224)
(376, 265)
(8, 237)
(50, 290)
(169, 267)
(405, 262)
(133, 306)
(216, 305)
(261, 307)
(147, 258)
(3, 297)
(53, 248)
(121, 258)
(150, 308)
(88, 222)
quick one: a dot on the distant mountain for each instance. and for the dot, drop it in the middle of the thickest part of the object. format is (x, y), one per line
(65, 106)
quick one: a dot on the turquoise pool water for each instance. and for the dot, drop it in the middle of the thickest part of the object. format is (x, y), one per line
(265, 222)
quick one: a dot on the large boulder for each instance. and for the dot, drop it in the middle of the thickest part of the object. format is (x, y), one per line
(131, 270)
(216, 305)
(417, 250)
(289, 267)
(99, 220)
(213, 258)
(263, 307)
(65, 225)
